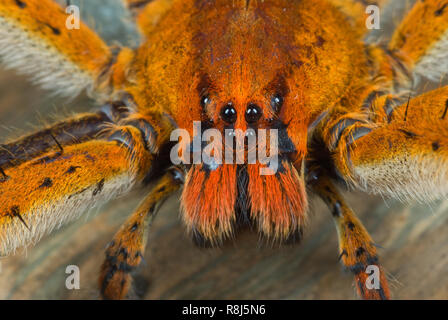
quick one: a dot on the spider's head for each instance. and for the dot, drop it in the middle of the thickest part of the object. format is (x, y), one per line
(250, 80)
(261, 66)
(262, 182)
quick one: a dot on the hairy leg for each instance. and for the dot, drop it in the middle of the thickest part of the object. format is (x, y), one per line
(124, 254)
(55, 186)
(136, 5)
(356, 247)
(35, 39)
(148, 12)
(77, 129)
(402, 151)
(421, 40)
(356, 11)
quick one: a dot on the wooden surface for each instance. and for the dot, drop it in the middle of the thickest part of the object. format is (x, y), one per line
(414, 240)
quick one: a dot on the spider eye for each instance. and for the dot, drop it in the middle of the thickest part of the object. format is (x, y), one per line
(205, 100)
(277, 102)
(253, 113)
(228, 113)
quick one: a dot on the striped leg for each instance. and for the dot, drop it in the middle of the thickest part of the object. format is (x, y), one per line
(148, 12)
(356, 11)
(124, 254)
(136, 5)
(80, 128)
(46, 189)
(421, 40)
(404, 153)
(356, 248)
(36, 40)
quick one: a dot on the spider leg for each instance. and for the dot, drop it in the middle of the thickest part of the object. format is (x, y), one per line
(421, 40)
(37, 38)
(147, 12)
(356, 11)
(135, 6)
(356, 247)
(402, 152)
(79, 128)
(124, 254)
(48, 188)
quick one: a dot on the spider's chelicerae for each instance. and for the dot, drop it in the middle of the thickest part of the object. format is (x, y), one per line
(341, 108)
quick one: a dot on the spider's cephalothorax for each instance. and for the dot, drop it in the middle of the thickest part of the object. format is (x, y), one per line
(299, 67)
(221, 76)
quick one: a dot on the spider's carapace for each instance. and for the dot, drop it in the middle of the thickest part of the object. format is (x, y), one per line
(237, 54)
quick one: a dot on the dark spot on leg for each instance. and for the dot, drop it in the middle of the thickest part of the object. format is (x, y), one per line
(4, 176)
(435, 146)
(445, 110)
(440, 11)
(99, 187)
(46, 183)
(351, 226)
(15, 213)
(320, 42)
(357, 268)
(359, 252)
(407, 108)
(55, 30)
(409, 134)
(88, 156)
(124, 253)
(343, 253)
(20, 4)
(72, 169)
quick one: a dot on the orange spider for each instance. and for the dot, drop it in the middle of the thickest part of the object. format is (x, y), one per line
(340, 106)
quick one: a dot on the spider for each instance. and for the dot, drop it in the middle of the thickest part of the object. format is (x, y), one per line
(341, 107)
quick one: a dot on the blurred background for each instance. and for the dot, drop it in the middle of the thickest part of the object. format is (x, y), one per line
(413, 237)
